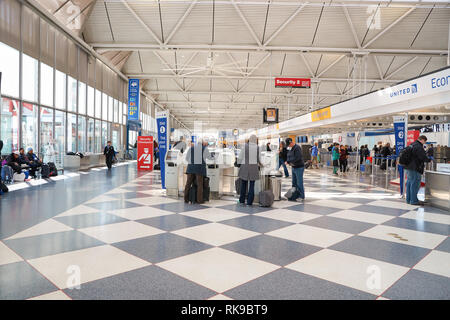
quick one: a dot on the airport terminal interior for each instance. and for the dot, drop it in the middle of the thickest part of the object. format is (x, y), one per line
(126, 136)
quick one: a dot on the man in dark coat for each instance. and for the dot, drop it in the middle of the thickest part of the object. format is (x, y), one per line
(250, 162)
(196, 169)
(295, 160)
(109, 154)
(414, 170)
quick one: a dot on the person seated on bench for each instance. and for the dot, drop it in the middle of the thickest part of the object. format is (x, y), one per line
(34, 162)
(23, 159)
(14, 162)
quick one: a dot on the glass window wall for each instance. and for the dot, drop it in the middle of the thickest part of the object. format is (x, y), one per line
(9, 67)
(29, 78)
(47, 151)
(71, 132)
(46, 85)
(9, 125)
(29, 126)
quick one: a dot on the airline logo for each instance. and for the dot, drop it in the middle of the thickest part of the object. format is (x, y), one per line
(405, 91)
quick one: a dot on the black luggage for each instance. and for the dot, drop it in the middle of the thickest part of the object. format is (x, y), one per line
(45, 171)
(193, 194)
(206, 189)
(53, 170)
(156, 167)
(3, 187)
(266, 198)
(383, 165)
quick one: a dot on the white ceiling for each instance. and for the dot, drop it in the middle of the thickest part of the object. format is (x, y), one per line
(214, 60)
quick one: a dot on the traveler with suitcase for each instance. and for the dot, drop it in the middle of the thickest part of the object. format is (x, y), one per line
(249, 161)
(295, 160)
(196, 172)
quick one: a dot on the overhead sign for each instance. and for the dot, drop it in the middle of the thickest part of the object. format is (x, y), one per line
(162, 123)
(270, 115)
(133, 99)
(293, 82)
(321, 114)
(145, 153)
(399, 131)
(413, 135)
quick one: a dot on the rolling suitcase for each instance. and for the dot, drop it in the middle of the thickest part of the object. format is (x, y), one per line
(266, 198)
(206, 189)
(193, 194)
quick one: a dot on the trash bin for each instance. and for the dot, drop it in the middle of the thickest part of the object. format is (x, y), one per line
(275, 184)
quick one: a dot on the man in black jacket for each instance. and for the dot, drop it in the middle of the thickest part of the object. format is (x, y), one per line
(295, 160)
(414, 170)
(109, 154)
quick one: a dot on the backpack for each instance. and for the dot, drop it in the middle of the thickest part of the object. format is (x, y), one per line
(45, 171)
(7, 174)
(53, 170)
(405, 156)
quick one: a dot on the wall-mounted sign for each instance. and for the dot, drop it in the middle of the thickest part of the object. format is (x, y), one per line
(133, 99)
(293, 82)
(322, 114)
(145, 153)
(270, 115)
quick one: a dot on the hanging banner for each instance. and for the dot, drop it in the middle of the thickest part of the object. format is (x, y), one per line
(399, 131)
(162, 123)
(133, 99)
(293, 82)
(322, 114)
(145, 153)
(413, 135)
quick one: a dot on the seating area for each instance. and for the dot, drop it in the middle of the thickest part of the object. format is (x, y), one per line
(75, 162)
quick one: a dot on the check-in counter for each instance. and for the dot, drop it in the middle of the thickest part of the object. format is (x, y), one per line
(437, 189)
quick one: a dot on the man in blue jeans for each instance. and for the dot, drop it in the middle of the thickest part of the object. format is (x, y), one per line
(414, 170)
(295, 160)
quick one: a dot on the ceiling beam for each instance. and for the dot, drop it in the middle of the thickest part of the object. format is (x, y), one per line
(330, 66)
(146, 27)
(288, 20)
(114, 46)
(247, 24)
(352, 27)
(389, 27)
(242, 93)
(401, 67)
(161, 76)
(180, 21)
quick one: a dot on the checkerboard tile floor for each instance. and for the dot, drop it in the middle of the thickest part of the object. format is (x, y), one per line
(349, 240)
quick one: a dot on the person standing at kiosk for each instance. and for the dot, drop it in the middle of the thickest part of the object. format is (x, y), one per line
(196, 170)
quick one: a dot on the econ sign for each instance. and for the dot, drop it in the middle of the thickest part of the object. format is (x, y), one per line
(133, 99)
(145, 153)
(293, 82)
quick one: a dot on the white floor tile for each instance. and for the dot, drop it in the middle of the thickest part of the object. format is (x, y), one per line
(140, 213)
(220, 297)
(215, 234)
(288, 215)
(335, 204)
(18, 186)
(426, 216)
(368, 217)
(56, 295)
(393, 204)
(283, 203)
(413, 238)
(152, 200)
(218, 203)
(213, 214)
(94, 263)
(218, 269)
(7, 255)
(437, 262)
(310, 235)
(117, 190)
(81, 209)
(350, 270)
(45, 227)
(122, 231)
(101, 198)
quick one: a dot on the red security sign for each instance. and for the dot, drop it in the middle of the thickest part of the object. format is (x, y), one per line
(293, 82)
(145, 153)
(413, 135)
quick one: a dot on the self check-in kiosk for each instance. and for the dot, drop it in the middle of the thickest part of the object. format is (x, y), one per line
(174, 172)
